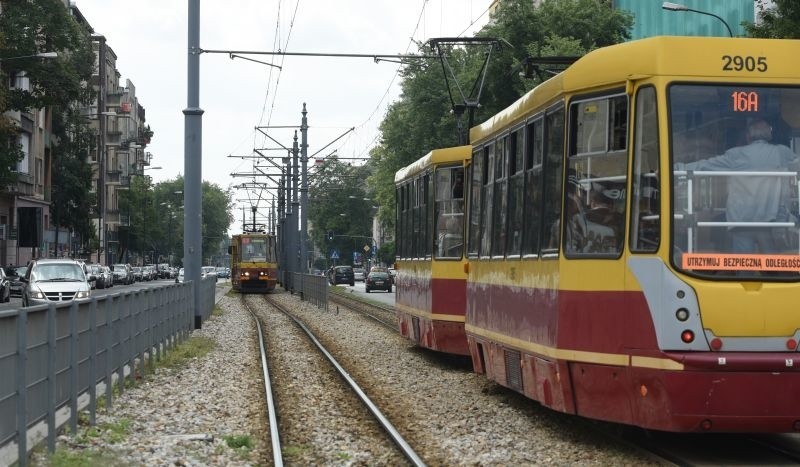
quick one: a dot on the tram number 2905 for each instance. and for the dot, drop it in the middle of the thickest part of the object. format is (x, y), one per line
(739, 63)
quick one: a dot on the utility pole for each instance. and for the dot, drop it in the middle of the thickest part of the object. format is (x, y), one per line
(304, 192)
(193, 161)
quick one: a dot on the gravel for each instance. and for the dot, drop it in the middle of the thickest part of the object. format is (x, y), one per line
(450, 415)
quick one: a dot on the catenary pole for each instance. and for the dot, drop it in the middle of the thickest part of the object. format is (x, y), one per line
(304, 193)
(192, 162)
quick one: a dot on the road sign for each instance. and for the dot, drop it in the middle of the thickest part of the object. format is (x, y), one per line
(366, 248)
(334, 254)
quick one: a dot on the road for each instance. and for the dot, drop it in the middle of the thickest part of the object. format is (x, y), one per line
(375, 295)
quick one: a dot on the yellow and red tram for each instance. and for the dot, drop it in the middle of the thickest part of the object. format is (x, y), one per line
(254, 262)
(629, 258)
(431, 279)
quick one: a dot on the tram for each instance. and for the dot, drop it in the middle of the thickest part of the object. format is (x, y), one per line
(632, 240)
(254, 262)
(431, 279)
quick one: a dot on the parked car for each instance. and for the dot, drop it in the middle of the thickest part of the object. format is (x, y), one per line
(359, 274)
(206, 271)
(5, 287)
(341, 275)
(180, 277)
(108, 276)
(137, 273)
(378, 280)
(122, 273)
(15, 274)
(97, 279)
(224, 273)
(54, 280)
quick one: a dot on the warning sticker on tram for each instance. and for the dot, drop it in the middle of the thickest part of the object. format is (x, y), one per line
(727, 262)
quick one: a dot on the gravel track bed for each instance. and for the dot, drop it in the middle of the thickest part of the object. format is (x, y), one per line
(322, 422)
(181, 416)
(450, 415)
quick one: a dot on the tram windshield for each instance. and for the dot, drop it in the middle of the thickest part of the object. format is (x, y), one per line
(735, 152)
(254, 249)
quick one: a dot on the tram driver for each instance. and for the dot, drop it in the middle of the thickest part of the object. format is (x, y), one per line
(753, 198)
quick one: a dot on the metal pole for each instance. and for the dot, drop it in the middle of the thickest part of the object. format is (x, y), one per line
(304, 192)
(192, 162)
(295, 203)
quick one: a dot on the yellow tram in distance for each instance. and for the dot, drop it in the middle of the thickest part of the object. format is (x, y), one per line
(431, 279)
(633, 240)
(254, 262)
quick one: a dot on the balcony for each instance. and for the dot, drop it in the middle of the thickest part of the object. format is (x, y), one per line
(113, 177)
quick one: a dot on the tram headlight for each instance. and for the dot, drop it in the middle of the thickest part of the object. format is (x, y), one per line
(246, 274)
(682, 314)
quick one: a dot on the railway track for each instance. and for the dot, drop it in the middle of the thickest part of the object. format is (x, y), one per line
(324, 416)
(382, 314)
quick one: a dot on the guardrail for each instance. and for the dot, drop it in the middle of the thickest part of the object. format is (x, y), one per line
(56, 358)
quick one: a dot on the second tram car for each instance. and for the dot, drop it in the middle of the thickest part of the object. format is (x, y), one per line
(254, 263)
(431, 279)
(632, 237)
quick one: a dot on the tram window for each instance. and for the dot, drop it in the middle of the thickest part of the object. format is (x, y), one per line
(553, 172)
(595, 193)
(427, 215)
(475, 203)
(488, 201)
(500, 208)
(516, 187)
(735, 179)
(534, 157)
(450, 212)
(645, 203)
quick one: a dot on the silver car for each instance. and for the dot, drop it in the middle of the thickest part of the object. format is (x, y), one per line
(54, 280)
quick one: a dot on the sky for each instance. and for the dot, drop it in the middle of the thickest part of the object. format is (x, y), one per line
(150, 40)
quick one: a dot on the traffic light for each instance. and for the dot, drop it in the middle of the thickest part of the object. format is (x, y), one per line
(330, 235)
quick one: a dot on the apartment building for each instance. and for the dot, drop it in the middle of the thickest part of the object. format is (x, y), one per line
(118, 120)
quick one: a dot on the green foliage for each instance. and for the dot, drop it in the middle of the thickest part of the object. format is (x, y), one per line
(338, 188)
(27, 28)
(66, 458)
(194, 347)
(421, 120)
(157, 216)
(72, 175)
(239, 441)
(780, 20)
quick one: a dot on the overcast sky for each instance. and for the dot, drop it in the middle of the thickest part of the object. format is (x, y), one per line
(150, 40)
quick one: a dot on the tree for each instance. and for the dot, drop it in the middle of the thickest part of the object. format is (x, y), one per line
(336, 189)
(28, 28)
(72, 196)
(217, 217)
(780, 19)
(421, 120)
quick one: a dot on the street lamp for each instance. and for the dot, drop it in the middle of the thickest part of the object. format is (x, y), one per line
(669, 6)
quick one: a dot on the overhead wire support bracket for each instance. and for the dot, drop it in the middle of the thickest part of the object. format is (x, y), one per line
(471, 101)
(232, 56)
(375, 57)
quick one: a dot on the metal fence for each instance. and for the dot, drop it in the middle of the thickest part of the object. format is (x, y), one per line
(54, 359)
(312, 288)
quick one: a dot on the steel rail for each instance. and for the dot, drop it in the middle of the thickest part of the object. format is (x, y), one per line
(398, 439)
(277, 453)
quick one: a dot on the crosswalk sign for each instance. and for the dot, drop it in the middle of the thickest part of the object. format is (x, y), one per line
(334, 254)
